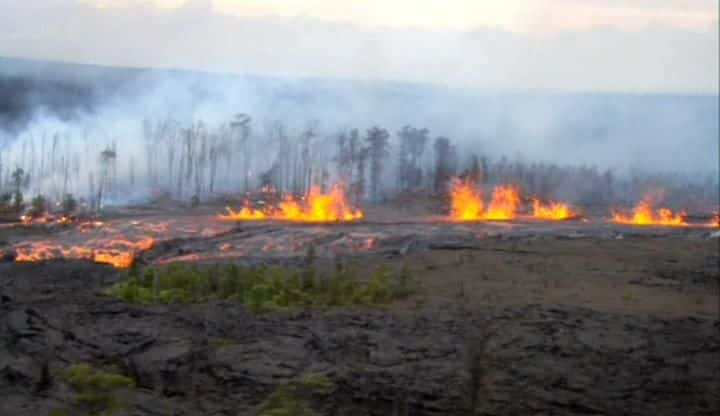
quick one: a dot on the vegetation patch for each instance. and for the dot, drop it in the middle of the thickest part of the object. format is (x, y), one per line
(263, 288)
(98, 392)
(294, 398)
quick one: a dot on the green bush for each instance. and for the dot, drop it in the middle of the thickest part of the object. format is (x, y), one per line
(261, 289)
(97, 390)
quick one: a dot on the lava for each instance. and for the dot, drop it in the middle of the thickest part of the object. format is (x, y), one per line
(552, 211)
(645, 214)
(315, 207)
(119, 253)
(467, 203)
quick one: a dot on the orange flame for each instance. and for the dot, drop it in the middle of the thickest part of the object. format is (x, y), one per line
(504, 204)
(643, 214)
(552, 211)
(315, 207)
(467, 203)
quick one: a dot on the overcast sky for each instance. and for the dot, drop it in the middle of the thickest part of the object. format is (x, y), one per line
(588, 45)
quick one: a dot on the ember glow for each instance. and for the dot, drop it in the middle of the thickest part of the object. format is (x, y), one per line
(715, 221)
(645, 214)
(316, 207)
(467, 203)
(552, 211)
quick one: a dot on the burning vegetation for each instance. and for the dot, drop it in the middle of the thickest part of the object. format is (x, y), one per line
(467, 204)
(316, 207)
(552, 210)
(645, 214)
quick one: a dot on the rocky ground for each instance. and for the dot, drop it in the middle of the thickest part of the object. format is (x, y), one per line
(520, 323)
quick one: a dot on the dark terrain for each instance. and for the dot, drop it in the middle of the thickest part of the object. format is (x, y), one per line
(582, 326)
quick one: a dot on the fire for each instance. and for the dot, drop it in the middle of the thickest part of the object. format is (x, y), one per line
(552, 211)
(316, 206)
(715, 221)
(46, 219)
(504, 204)
(467, 203)
(644, 214)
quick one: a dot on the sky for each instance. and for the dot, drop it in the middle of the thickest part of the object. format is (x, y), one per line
(558, 45)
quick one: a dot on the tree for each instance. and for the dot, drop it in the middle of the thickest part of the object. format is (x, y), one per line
(412, 146)
(378, 143)
(38, 206)
(242, 128)
(18, 178)
(444, 163)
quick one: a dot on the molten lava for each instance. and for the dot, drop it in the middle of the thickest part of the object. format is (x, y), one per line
(115, 252)
(316, 207)
(645, 214)
(552, 211)
(467, 203)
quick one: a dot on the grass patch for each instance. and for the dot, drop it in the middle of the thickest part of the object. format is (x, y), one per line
(293, 398)
(264, 288)
(98, 391)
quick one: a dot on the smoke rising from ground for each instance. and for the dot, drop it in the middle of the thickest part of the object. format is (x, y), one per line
(634, 136)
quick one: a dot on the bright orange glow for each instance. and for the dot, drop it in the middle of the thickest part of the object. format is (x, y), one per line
(467, 203)
(46, 219)
(552, 211)
(715, 221)
(644, 214)
(316, 206)
(504, 204)
(118, 253)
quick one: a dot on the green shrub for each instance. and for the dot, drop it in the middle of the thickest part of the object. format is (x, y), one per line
(261, 289)
(97, 390)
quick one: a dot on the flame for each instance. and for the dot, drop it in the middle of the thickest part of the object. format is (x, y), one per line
(643, 214)
(46, 219)
(467, 203)
(552, 211)
(316, 206)
(504, 204)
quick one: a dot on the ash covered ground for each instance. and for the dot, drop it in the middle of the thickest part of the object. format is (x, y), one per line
(517, 317)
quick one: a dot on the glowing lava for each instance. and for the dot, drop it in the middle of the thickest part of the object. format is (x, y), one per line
(115, 252)
(467, 203)
(552, 211)
(644, 214)
(316, 206)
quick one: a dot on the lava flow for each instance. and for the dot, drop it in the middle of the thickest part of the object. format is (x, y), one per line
(115, 252)
(644, 214)
(552, 211)
(316, 207)
(467, 203)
